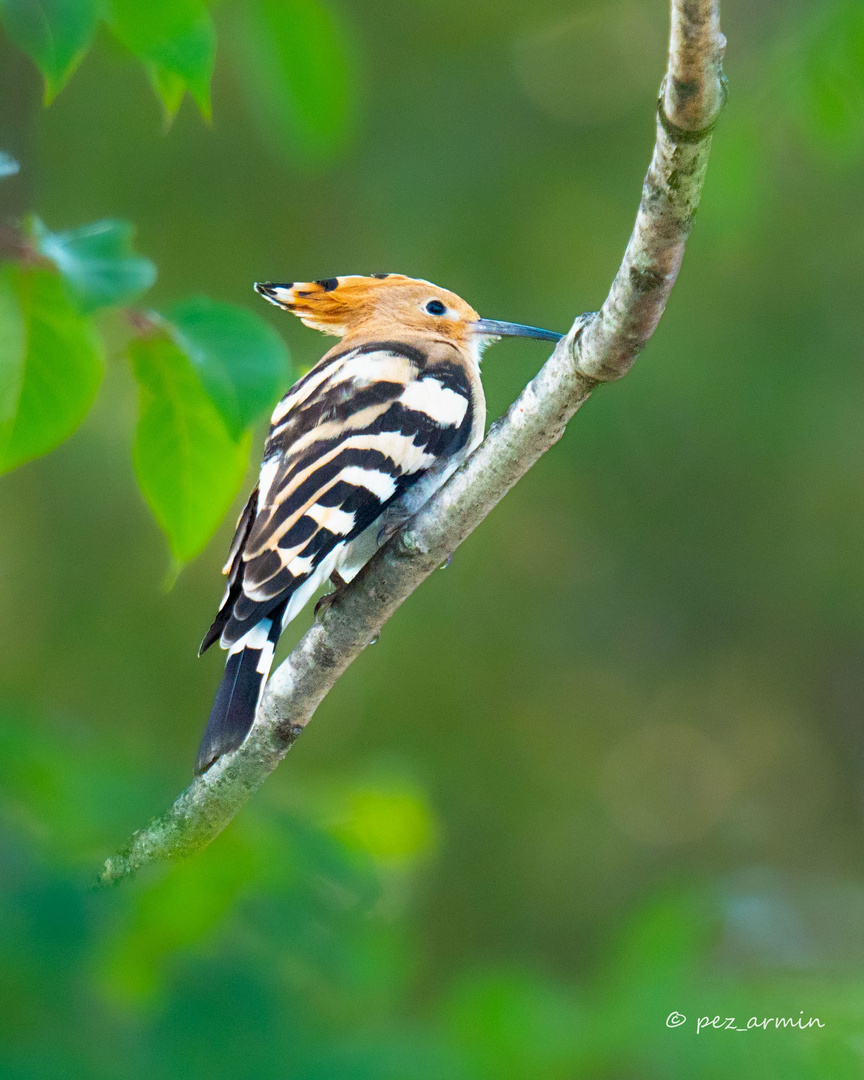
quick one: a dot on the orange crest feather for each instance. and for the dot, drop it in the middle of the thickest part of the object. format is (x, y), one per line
(345, 305)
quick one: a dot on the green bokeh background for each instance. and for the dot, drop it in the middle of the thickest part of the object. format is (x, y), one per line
(609, 765)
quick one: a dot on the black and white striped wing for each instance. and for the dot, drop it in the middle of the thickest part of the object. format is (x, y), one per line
(350, 439)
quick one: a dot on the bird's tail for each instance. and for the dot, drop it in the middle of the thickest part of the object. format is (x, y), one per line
(239, 693)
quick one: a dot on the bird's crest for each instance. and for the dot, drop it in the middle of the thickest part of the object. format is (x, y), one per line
(341, 305)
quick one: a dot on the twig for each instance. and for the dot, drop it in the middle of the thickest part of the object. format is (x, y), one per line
(599, 348)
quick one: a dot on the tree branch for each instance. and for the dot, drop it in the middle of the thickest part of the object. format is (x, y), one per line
(599, 348)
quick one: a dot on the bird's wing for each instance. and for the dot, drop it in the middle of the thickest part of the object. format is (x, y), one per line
(346, 442)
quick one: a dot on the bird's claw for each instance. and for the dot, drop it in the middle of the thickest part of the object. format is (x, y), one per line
(324, 602)
(338, 582)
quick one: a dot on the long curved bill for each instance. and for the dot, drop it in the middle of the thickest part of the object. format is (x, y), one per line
(494, 328)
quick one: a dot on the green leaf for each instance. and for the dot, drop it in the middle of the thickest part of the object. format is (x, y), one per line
(170, 88)
(98, 262)
(55, 34)
(13, 351)
(176, 40)
(242, 362)
(294, 65)
(8, 165)
(50, 364)
(189, 467)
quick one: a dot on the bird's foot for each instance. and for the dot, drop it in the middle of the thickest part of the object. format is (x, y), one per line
(338, 582)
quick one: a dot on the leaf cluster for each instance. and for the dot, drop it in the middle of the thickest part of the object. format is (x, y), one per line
(206, 371)
(291, 58)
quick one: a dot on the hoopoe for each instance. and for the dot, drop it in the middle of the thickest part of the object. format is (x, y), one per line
(355, 448)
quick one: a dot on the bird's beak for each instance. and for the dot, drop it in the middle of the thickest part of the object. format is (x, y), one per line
(494, 328)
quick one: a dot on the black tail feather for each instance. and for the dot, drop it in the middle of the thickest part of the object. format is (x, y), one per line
(233, 712)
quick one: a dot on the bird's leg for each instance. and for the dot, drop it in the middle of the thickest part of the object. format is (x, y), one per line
(338, 582)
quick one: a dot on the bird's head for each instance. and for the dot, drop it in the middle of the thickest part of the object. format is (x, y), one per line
(389, 305)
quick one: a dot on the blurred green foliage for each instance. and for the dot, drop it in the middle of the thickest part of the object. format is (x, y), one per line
(97, 263)
(293, 56)
(609, 765)
(55, 34)
(284, 950)
(206, 372)
(294, 64)
(176, 42)
(830, 83)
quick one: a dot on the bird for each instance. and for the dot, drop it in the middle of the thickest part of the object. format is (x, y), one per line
(354, 449)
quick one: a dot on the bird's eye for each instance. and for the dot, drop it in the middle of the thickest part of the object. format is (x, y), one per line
(435, 307)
